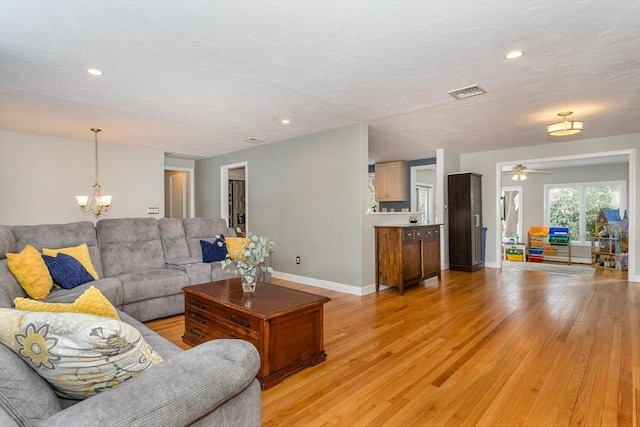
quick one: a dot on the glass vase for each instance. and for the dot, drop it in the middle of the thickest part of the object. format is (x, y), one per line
(248, 284)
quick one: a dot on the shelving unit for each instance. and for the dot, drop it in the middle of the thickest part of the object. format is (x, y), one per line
(515, 252)
(536, 240)
(550, 244)
(559, 243)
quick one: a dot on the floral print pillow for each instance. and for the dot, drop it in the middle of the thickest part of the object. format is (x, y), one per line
(78, 354)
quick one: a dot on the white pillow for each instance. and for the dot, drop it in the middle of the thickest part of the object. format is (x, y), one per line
(78, 354)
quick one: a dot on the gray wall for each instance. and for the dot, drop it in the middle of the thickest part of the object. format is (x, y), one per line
(308, 194)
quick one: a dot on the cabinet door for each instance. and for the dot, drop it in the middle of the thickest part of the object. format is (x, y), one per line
(476, 219)
(412, 261)
(431, 254)
(391, 181)
(382, 181)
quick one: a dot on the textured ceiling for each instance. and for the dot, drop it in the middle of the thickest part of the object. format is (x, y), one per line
(200, 77)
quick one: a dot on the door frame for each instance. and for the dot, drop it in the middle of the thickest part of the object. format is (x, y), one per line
(631, 200)
(192, 187)
(224, 191)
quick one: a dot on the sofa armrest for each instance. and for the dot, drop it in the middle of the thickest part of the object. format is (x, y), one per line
(176, 392)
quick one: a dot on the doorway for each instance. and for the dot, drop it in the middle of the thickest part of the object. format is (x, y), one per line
(623, 156)
(234, 203)
(178, 193)
(423, 191)
(511, 200)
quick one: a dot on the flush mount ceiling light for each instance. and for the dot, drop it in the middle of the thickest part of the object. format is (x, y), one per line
(565, 127)
(94, 72)
(514, 54)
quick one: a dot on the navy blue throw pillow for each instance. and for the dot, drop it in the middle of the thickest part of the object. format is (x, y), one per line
(214, 251)
(66, 271)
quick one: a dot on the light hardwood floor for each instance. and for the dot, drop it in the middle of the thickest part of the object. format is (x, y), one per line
(489, 348)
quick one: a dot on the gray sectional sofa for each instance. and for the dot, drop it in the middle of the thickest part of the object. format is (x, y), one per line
(143, 264)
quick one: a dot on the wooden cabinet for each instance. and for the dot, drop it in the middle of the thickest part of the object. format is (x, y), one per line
(406, 255)
(465, 221)
(391, 181)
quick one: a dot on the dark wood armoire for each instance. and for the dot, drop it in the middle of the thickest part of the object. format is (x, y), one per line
(465, 221)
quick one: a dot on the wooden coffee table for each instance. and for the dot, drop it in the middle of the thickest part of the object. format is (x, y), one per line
(285, 325)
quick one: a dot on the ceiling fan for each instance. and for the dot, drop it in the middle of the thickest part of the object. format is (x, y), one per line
(520, 172)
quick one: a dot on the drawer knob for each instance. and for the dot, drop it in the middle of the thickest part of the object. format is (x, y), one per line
(239, 322)
(198, 319)
(197, 333)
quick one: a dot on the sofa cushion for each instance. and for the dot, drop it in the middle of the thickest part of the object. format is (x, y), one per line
(145, 285)
(80, 252)
(196, 229)
(129, 245)
(24, 395)
(31, 272)
(59, 236)
(10, 288)
(174, 242)
(214, 251)
(110, 287)
(7, 241)
(90, 302)
(78, 354)
(66, 271)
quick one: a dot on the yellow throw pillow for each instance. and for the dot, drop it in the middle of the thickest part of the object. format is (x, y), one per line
(234, 246)
(81, 253)
(91, 302)
(31, 272)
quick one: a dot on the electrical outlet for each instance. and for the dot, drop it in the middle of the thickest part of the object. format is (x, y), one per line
(297, 260)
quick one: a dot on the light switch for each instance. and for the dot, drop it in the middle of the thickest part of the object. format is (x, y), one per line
(152, 211)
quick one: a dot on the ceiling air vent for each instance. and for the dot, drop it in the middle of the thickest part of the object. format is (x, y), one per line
(467, 92)
(253, 140)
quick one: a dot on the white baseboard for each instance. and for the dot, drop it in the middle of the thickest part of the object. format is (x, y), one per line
(325, 284)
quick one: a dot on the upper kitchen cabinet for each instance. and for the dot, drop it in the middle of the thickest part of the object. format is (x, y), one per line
(391, 181)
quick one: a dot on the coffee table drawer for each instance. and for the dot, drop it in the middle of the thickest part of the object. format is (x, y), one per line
(205, 310)
(214, 328)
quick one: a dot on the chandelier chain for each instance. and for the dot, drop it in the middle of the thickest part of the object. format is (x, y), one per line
(95, 134)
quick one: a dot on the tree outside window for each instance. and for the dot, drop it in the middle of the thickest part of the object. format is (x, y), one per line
(576, 206)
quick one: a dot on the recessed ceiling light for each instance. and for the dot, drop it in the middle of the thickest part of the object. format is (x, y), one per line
(285, 121)
(254, 140)
(514, 54)
(94, 72)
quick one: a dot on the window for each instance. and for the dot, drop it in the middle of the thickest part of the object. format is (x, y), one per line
(577, 205)
(371, 199)
(425, 201)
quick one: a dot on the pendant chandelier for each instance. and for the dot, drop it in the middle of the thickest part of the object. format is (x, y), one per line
(97, 204)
